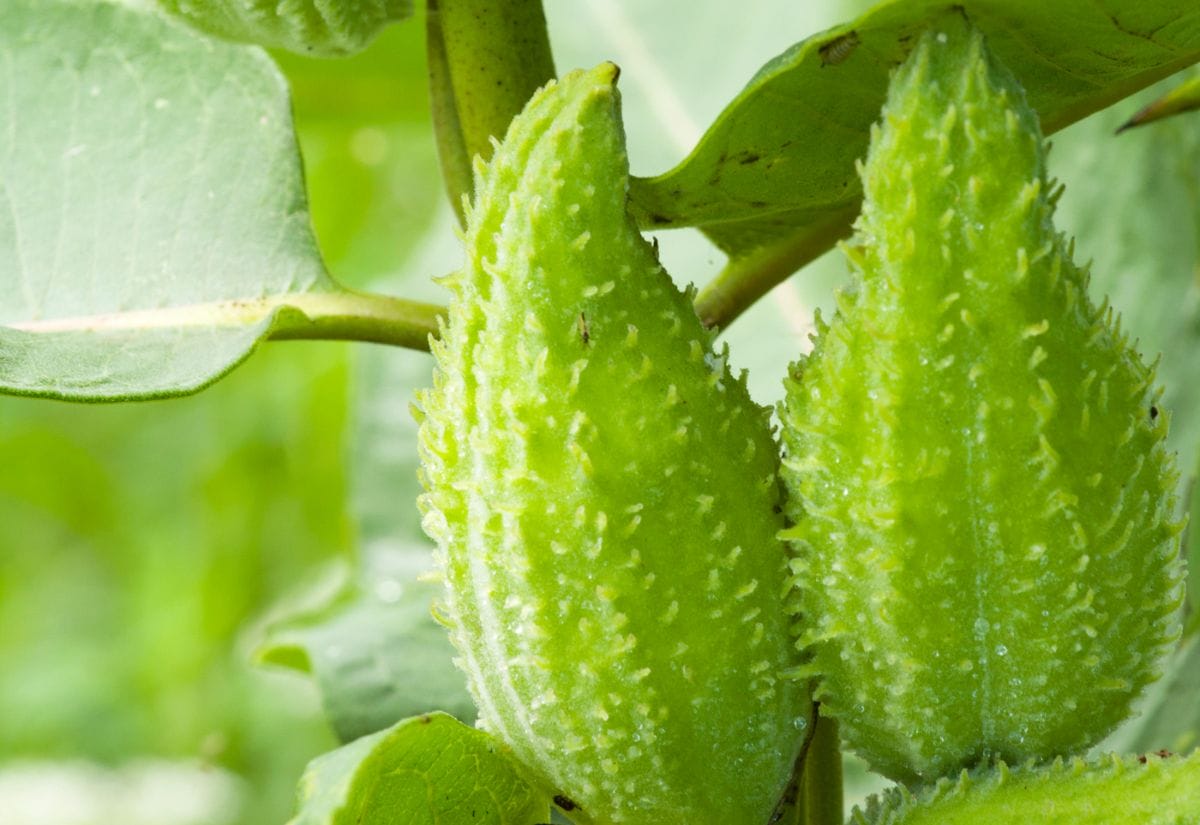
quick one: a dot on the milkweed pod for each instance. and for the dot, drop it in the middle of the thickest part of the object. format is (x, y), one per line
(1148, 790)
(983, 500)
(605, 498)
(308, 27)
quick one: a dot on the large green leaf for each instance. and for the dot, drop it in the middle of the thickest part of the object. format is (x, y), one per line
(428, 770)
(779, 161)
(153, 225)
(323, 27)
(374, 650)
(375, 653)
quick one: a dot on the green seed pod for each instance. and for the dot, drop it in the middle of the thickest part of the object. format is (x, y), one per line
(310, 27)
(1113, 791)
(982, 497)
(605, 499)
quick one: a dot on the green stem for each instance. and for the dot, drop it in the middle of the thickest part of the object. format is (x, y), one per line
(822, 784)
(356, 316)
(486, 58)
(746, 279)
(791, 808)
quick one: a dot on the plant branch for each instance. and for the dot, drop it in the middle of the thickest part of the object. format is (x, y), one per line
(822, 781)
(360, 316)
(746, 279)
(486, 58)
(356, 316)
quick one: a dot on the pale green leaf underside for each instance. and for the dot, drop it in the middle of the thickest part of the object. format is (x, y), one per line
(316, 27)
(376, 656)
(780, 158)
(152, 211)
(428, 770)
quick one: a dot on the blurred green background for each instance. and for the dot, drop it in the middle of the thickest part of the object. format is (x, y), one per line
(142, 546)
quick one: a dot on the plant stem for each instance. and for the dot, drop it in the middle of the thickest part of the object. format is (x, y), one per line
(360, 316)
(821, 788)
(486, 58)
(746, 279)
(356, 316)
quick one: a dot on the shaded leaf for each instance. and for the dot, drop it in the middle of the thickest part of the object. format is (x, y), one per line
(375, 653)
(1183, 98)
(781, 156)
(428, 769)
(153, 225)
(391, 657)
(318, 27)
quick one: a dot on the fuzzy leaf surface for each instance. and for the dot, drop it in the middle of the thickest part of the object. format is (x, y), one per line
(153, 225)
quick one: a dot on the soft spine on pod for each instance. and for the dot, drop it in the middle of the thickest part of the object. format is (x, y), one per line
(605, 498)
(1149, 790)
(986, 557)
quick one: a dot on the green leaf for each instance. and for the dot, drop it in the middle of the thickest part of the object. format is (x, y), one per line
(372, 647)
(428, 769)
(778, 163)
(375, 653)
(153, 225)
(1110, 790)
(1183, 98)
(316, 27)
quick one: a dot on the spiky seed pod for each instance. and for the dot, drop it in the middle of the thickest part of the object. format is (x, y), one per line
(983, 502)
(315, 27)
(1149, 790)
(604, 496)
